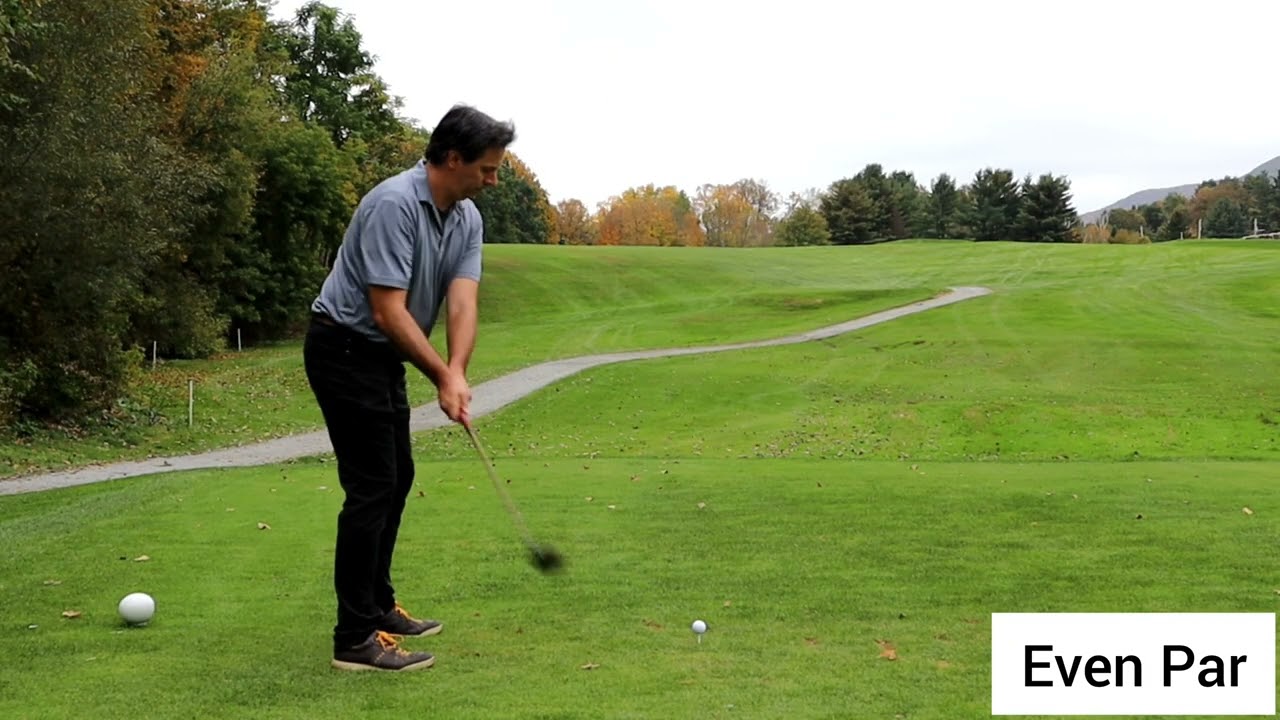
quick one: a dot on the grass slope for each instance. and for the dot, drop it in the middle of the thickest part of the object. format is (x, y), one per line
(538, 303)
(1130, 303)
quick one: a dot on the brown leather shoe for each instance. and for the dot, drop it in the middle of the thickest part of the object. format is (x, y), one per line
(400, 622)
(381, 652)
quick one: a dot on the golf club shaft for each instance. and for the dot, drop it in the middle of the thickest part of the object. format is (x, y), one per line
(502, 491)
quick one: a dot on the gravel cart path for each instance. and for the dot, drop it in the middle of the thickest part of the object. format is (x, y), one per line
(486, 398)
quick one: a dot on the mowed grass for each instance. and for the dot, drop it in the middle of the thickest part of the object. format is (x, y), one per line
(1088, 438)
(1172, 359)
(1123, 306)
(806, 572)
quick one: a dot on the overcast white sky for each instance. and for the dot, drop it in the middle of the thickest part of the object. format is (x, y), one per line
(802, 93)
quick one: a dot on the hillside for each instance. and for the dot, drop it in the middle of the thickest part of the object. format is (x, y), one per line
(1144, 197)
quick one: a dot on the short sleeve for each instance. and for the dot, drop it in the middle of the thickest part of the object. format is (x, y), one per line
(386, 244)
(469, 265)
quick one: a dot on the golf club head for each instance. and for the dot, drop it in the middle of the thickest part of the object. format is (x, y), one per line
(546, 559)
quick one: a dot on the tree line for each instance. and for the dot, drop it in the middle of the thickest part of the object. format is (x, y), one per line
(181, 172)
(172, 169)
(871, 206)
(876, 206)
(1227, 208)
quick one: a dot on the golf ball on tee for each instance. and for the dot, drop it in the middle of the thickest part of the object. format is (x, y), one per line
(137, 608)
(699, 626)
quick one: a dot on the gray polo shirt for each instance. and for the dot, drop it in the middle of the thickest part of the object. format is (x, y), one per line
(398, 239)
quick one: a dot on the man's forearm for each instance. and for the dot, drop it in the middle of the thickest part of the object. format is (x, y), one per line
(462, 335)
(401, 329)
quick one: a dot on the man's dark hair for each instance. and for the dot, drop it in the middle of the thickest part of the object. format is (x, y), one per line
(469, 132)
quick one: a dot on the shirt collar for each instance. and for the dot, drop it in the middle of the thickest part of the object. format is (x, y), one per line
(422, 189)
(420, 185)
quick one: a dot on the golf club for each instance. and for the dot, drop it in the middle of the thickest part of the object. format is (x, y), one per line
(543, 557)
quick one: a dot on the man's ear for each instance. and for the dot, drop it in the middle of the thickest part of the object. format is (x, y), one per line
(454, 160)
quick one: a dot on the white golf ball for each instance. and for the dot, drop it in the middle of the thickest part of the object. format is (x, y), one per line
(699, 626)
(137, 608)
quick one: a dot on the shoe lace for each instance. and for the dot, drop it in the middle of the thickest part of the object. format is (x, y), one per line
(390, 643)
(402, 612)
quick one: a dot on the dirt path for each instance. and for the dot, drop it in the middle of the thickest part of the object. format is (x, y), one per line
(486, 398)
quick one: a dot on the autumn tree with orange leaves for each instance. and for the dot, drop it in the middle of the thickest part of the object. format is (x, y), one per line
(737, 215)
(649, 215)
(575, 225)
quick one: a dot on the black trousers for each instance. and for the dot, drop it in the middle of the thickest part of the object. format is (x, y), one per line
(360, 388)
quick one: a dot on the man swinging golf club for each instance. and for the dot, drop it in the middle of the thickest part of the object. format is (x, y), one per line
(414, 243)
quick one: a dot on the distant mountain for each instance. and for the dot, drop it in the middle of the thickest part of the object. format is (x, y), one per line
(1270, 167)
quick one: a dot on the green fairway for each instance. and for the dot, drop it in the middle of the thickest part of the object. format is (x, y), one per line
(1100, 434)
(1128, 310)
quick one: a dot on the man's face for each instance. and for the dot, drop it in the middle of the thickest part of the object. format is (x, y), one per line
(476, 176)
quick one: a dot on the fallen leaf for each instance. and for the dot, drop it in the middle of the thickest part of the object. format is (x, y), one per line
(702, 506)
(142, 558)
(1248, 511)
(52, 582)
(613, 507)
(819, 484)
(943, 664)
(323, 487)
(811, 641)
(653, 625)
(589, 498)
(887, 650)
(590, 666)
(1139, 517)
(71, 614)
(422, 493)
(263, 526)
(231, 509)
(728, 603)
